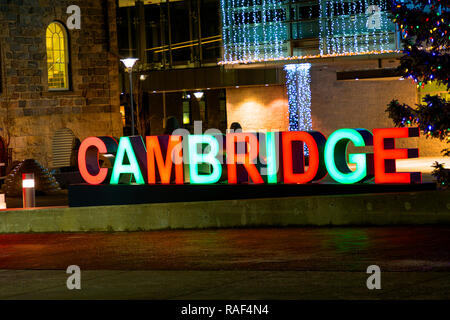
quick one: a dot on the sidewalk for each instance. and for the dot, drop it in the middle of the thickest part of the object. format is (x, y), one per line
(187, 285)
(56, 200)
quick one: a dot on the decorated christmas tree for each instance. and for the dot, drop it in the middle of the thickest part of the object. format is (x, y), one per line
(425, 32)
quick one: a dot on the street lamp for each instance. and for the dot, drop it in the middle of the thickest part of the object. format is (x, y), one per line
(198, 94)
(129, 63)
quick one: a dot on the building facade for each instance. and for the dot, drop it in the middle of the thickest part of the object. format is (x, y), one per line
(268, 64)
(339, 60)
(55, 77)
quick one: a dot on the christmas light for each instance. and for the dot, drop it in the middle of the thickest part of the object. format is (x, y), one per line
(252, 31)
(354, 27)
(257, 31)
(308, 57)
(298, 83)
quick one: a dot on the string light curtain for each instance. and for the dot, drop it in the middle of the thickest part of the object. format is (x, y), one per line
(253, 30)
(298, 83)
(360, 26)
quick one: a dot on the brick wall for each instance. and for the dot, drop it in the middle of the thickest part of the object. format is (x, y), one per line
(258, 108)
(362, 104)
(29, 113)
(334, 104)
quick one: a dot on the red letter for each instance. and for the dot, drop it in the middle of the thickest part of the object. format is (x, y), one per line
(385, 155)
(248, 158)
(316, 143)
(88, 156)
(173, 151)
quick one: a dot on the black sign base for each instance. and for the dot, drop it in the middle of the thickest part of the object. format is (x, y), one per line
(83, 195)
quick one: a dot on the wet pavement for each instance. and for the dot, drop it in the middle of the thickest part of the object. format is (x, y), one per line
(291, 263)
(324, 249)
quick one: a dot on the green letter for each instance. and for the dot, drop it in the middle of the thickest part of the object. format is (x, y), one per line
(209, 158)
(336, 155)
(119, 168)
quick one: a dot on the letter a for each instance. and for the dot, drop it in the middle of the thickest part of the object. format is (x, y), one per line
(74, 21)
(74, 281)
(374, 281)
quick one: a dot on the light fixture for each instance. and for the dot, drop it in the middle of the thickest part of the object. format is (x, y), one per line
(129, 63)
(143, 77)
(199, 94)
(28, 190)
(2, 201)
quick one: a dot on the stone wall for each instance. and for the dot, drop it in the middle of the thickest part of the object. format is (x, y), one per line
(29, 112)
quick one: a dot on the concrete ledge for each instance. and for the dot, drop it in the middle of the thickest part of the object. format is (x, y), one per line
(417, 208)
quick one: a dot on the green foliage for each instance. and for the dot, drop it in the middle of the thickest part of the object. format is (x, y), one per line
(441, 174)
(425, 30)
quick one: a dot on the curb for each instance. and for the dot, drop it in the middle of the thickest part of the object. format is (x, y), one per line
(412, 208)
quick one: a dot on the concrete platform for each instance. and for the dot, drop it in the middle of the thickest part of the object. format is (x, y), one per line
(411, 208)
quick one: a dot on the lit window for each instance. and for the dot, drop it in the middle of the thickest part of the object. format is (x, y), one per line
(186, 112)
(122, 112)
(186, 108)
(57, 57)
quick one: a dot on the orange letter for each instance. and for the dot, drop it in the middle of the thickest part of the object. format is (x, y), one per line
(173, 151)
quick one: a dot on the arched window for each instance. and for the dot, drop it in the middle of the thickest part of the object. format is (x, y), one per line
(57, 57)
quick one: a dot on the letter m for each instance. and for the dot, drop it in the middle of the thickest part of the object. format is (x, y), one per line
(171, 147)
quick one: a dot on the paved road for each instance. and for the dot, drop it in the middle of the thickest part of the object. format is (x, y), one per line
(292, 263)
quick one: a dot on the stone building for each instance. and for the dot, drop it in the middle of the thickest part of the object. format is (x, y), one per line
(53, 77)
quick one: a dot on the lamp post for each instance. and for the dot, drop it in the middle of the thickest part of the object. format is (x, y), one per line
(129, 63)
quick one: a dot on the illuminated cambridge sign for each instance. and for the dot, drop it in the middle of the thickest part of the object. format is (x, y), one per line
(270, 157)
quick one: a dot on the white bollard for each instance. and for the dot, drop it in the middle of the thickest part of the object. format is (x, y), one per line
(2, 201)
(28, 185)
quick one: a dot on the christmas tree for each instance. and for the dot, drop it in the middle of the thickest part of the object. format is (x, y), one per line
(425, 31)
